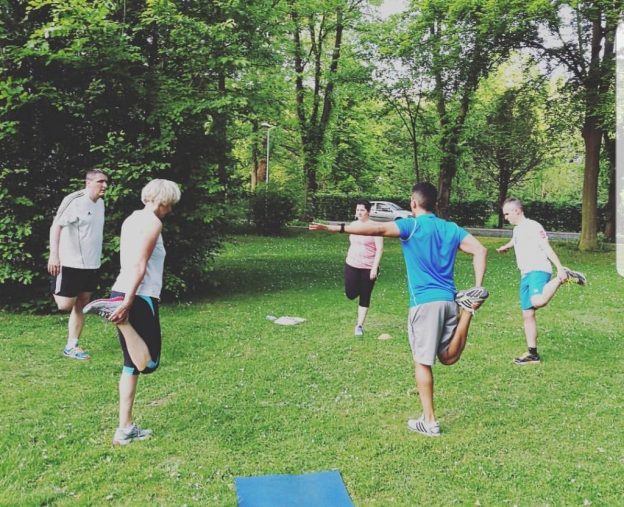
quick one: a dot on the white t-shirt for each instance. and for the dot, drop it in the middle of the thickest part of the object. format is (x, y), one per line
(133, 228)
(530, 240)
(82, 231)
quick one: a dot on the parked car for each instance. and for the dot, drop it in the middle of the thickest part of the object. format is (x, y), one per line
(385, 211)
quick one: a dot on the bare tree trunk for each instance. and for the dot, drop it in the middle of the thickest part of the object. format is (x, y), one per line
(592, 137)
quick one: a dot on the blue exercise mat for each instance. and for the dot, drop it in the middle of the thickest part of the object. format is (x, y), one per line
(320, 489)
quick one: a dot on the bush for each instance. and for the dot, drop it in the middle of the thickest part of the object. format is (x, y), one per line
(271, 210)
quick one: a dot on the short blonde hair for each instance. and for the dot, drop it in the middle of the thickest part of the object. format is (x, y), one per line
(161, 192)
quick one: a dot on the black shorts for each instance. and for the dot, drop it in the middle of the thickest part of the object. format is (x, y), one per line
(72, 281)
(145, 320)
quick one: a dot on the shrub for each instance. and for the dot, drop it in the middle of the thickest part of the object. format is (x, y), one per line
(271, 210)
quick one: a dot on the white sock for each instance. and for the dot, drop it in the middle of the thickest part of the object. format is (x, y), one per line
(72, 343)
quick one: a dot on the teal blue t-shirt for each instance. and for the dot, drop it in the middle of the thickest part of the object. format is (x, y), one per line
(429, 248)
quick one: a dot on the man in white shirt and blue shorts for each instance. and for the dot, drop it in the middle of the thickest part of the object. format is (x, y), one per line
(76, 237)
(534, 256)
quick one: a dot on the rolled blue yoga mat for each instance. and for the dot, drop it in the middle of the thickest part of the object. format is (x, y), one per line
(319, 489)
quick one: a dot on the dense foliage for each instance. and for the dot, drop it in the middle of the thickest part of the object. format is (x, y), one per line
(352, 102)
(271, 210)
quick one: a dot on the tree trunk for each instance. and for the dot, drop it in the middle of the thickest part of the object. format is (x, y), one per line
(503, 190)
(592, 137)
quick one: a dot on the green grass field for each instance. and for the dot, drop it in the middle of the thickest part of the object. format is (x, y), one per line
(238, 395)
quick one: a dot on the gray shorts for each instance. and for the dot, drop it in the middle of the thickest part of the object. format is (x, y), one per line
(430, 327)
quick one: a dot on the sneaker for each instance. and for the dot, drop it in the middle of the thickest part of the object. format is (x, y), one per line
(575, 277)
(466, 298)
(421, 426)
(125, 436)
(103, 307)
(527, 358)
(359, 331)
(76, 353)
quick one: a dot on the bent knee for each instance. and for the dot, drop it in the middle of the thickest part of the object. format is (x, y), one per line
(64, 304)
(150, 367)
(538, 301)
(448, 361)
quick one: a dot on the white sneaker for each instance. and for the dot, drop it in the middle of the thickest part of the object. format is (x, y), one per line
(424, 428)
(359, 331)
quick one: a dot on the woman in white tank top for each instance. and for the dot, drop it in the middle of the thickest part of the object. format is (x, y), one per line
(133, 307)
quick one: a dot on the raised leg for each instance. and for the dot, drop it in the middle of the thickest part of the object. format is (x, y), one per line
(453, 352)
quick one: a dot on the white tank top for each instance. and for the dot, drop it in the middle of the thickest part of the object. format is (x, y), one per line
(151, 284)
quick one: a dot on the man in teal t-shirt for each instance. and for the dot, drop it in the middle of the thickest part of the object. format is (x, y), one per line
(430, 246)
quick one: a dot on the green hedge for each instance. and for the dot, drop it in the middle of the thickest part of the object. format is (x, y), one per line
(562, 217)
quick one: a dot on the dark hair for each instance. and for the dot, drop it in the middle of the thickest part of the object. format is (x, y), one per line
(515, 201)
(364, 203)
(425, 195)
(93, 172)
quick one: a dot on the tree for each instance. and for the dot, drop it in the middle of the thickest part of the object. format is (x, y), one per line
(315, 26)
(512, 141)
(459, 42)
(136, 88)
(580, 37)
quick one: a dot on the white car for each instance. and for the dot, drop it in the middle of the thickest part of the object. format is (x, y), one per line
(385, 211)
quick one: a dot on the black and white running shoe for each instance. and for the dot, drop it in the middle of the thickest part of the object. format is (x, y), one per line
(575, 277)
(466, 298)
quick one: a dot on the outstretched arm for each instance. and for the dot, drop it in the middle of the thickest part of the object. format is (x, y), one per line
(473, 246)
(370, 228)
(505, 247)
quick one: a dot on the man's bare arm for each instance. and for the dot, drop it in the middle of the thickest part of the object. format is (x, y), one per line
(370, 228)
(473, 246)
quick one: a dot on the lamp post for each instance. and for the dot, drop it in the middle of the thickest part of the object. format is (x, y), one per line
(268, 128)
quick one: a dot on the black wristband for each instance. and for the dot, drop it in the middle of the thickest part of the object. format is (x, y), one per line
(342, 226)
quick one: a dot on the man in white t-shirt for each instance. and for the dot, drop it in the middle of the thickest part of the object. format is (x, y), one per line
(76, 237)
(534, 256)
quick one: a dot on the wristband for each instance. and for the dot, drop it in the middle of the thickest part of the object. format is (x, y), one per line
(342, 226)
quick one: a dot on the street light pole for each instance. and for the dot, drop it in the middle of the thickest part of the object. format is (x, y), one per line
(268, 128)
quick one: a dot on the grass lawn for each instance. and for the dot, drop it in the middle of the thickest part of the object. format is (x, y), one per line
(238, 395)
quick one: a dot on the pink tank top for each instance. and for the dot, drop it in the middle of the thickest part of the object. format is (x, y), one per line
(361, 252)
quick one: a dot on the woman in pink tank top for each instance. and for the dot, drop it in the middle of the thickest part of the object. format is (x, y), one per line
(362, 266)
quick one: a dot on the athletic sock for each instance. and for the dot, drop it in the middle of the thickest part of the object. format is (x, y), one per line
(533, 351)
(72, 343)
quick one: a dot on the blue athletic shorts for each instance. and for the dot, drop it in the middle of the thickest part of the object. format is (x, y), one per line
(532, 284)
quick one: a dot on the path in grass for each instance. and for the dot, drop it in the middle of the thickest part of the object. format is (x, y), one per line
(238, 395)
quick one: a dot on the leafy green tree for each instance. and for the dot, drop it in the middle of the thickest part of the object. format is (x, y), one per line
(317, 29)
(512, 141)
(580, 36)
(142, 89)
(456, 44)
